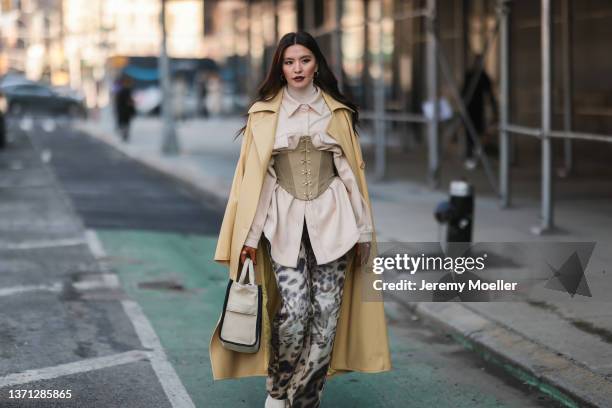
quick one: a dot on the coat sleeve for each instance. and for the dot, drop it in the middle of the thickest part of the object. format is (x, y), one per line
(222, 252)
(360, 208)
(360, 177)
(263, 205)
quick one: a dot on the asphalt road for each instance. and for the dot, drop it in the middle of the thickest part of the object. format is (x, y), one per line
(158, 241)
(61, 328)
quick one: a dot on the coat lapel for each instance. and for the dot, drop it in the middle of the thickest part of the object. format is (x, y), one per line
(338, 129)
(264, 125)
(264, 131)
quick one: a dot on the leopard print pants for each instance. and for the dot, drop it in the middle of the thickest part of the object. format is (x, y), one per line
(304, 328)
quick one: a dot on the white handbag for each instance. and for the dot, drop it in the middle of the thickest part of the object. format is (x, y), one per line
(241, 318)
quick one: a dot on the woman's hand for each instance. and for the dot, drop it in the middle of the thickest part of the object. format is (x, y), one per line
(250, 252)
(362, 252)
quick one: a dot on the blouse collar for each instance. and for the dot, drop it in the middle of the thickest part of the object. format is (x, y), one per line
(291, 105)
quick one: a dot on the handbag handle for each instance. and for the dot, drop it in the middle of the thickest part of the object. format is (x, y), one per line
(248, 263)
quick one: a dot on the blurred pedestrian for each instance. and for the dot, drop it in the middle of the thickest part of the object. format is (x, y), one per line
(215, 94)
(179, 96)
(482, 89)
(124, 107)
(202, 88)
(299, 209)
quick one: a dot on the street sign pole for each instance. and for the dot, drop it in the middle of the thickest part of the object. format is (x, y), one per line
(170, 142)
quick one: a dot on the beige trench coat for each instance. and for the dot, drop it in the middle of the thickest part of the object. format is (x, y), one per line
(361, 342)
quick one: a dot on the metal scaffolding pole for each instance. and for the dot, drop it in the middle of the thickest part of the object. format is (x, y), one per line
(379, 105)
(432, 96)
(504, 106)
(250, 71)
(309, 18)
(170, 142)
(547, 204)
(276, 20)
(567, 84)
(337, 44)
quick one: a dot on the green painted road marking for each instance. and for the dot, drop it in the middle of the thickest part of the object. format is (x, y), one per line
(185, 319)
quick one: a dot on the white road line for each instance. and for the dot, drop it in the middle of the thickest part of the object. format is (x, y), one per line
(81, 366)
(48, 243)
(15, 290)
(97, 249)
(98, 281)
(168, 378)
(94, 244)
(170, 381)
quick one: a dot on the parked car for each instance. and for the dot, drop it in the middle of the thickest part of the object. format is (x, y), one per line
(69, 92)
(13, 79)
(36, 98)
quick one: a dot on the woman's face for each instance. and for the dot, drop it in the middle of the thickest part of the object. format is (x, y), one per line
(299, 66)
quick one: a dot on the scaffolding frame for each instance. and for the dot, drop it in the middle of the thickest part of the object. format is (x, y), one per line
(379, 115)
(545, 132)
(435, 56)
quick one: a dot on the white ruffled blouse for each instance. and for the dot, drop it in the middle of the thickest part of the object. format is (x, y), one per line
(336, 220)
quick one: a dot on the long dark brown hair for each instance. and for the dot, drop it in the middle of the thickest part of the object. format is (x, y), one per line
(325, 79)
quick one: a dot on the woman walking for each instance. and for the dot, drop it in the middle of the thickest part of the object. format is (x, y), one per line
(299, 208)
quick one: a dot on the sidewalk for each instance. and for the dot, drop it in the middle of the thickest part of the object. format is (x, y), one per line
(562, 347)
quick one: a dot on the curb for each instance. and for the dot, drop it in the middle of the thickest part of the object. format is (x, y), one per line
(567, 381)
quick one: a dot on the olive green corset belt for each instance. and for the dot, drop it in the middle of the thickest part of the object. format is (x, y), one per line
(305, 172)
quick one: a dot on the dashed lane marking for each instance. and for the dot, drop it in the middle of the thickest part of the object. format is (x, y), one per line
(98, 281)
